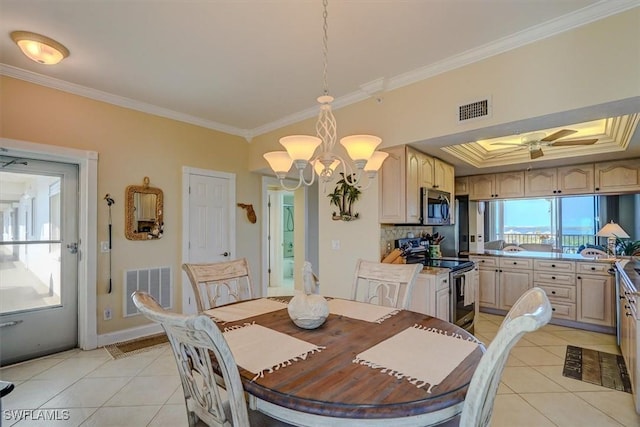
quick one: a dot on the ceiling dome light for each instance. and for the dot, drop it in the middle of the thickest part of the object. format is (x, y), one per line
(39, 48)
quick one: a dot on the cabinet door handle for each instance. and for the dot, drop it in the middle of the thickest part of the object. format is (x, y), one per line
(579, 278)
(553, 277)
(515, 263)
(553, 265)
(593, 268)
(553, 292)
(553, 309)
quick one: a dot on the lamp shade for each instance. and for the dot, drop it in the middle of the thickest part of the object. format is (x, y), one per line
(279, 161)
(39, 48)
(360, 147)
(300, 147)
(375, 162)
(612, 230)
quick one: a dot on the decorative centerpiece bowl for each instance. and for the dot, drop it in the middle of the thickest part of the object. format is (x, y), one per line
(308, 311)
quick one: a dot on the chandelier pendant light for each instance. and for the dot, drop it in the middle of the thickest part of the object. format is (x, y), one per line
(301, 149)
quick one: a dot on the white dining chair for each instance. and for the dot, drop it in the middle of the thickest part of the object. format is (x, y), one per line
(385, 284)
(193, 340)
(529, 313)
(220, 283)
(513, 248)
(593, 253)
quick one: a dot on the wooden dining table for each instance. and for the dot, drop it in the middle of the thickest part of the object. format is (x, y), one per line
(328, 389)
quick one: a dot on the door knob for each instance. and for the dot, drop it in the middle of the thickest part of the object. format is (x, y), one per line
(225, 253)
(73, 248)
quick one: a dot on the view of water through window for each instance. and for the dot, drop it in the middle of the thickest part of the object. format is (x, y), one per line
(564, 224)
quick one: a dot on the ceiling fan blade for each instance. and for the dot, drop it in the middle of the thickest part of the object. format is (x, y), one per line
(574, 142)
(535, 153)
(506, 144)
(559, 134)
(504, 153)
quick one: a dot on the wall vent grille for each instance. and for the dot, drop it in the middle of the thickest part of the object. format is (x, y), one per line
(474, 110)
(156, 281)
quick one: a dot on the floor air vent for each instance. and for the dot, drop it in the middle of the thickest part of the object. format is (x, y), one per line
(474, 110)
(155, 281)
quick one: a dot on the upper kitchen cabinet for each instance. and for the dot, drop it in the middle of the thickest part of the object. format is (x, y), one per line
(482, 187)
(392, 184)
(559, 181)
(493, 186)
(462, 186)
(402, 175)
(617, 177)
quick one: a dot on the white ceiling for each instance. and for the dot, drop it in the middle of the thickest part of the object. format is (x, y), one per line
(249, 66)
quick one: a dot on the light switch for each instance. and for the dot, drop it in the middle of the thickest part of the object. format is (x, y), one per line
(104, 246)
(335, 245)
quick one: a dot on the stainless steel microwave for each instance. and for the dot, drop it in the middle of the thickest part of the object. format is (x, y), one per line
(436, 207)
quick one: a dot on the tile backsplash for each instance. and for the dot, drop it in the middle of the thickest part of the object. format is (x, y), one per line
(389, 233)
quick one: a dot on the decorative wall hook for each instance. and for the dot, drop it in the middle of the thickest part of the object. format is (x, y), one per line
(251, 214)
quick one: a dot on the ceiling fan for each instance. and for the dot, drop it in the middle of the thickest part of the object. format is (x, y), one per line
(535, 141)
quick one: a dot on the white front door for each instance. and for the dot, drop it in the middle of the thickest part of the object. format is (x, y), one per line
(209, 222)
(38, 258)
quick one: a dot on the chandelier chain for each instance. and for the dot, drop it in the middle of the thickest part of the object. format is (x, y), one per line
(325, 49)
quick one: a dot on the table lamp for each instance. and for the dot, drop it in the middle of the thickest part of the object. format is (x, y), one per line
(612, 231)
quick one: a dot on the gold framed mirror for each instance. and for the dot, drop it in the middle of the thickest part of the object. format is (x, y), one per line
(143, 212)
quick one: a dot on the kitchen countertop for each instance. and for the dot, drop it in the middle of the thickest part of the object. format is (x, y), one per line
(631, 269)
(434, 270)
(542, 255)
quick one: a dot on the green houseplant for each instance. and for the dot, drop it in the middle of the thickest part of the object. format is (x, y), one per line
(343, 197)
(627, 247)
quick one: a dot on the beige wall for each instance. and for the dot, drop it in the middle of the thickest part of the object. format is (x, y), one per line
(585, 67)
(132, 145)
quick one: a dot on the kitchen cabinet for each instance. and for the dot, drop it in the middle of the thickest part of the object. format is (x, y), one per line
(443, 295)
(493, 186)
(461, 186)
(487, 281)
(595, 294)
(431, 295)
(392, 187)
(501, 281)
(559, 181)
(558, 280)
(630, 329)
(515, 277)
(482, 187)
(617, 177)
(401, 176)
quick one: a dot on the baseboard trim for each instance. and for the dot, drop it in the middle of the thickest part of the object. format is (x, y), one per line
(128, 334)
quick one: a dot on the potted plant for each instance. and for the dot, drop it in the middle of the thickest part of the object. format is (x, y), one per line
(627, 247)
(343, 197)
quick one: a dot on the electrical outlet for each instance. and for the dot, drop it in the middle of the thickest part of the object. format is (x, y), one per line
(104, 246)
(107, 313)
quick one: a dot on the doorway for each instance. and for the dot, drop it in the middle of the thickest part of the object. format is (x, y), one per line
(281, 213)
(38, 258)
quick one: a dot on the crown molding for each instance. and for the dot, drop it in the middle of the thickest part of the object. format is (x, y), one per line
(53, 83)
(587, 15)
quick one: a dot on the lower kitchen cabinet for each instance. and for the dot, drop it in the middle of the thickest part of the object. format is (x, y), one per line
(595, 299)
(630, 329)
(431, 295)
(500, 287)
(512, 284)
(443, 295)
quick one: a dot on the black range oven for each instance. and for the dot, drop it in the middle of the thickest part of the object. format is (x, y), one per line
(462, 305)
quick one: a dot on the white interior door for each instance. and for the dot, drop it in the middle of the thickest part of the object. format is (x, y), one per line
(38, 258)
(209, 222)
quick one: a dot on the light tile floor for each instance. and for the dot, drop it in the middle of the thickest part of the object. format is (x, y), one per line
(145, 390)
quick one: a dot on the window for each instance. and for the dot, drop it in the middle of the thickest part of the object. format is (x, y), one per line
(564, 223)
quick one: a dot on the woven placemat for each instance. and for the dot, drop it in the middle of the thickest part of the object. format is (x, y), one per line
(136, 346)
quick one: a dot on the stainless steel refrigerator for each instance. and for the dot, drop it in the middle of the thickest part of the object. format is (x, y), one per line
(456, 237)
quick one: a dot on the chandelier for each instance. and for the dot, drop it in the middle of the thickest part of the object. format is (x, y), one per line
(301, 148)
